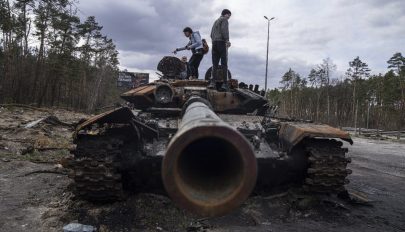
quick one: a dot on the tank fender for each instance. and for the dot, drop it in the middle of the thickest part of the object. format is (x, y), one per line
(292, 133)
(122, 115)
(118, 115)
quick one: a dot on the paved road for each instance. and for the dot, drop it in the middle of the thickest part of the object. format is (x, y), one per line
(379, 172)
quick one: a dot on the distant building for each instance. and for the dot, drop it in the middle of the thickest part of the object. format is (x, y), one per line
(132, 79)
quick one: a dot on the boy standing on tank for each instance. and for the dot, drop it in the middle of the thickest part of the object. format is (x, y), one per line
(196, 47)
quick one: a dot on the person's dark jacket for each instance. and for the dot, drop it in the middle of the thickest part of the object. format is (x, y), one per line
(220, 30)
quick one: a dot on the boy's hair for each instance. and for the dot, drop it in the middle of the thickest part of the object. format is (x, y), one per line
(225, 11)
(187, 29)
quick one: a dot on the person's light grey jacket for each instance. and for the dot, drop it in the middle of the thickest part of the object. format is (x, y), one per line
(194, 44)
(220, 30)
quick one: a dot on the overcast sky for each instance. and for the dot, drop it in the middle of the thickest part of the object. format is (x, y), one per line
(303, 33)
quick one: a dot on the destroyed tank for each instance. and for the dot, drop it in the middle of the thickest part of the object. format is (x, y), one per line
(207, 148)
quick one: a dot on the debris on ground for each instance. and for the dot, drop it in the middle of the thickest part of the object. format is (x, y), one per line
(357, 197)
(36, 194)
(36, 134)
(51, 119)
(77, 227)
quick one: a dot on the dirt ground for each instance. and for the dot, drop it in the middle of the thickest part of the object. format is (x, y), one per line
(35, 192)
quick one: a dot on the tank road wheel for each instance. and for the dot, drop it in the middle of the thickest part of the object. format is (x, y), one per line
(327, 169)
(96, 167)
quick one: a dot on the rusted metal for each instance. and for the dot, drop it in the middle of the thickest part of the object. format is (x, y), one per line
(219, 76)
(189, 83)
(163, 93)
(140, 90)
(142, 96)
(223, 101)
(291, 133)
(119, 115)
(122, 115)
(103, 163)
(174, 92)
(209, 167)
(327, 168)
(171, 67)
(95, 168)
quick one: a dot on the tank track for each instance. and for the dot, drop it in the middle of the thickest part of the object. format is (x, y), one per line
(95, 167)
(327, 169)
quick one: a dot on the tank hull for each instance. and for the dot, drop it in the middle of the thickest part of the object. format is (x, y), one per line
(207, 154)
(138, 162)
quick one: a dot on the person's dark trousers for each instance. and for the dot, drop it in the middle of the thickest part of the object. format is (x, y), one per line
(194, 63)
(219, 54)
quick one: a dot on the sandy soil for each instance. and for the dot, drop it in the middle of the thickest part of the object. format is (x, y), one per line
(35, 192)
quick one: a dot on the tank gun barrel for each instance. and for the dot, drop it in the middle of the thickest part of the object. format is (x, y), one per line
(209, 167)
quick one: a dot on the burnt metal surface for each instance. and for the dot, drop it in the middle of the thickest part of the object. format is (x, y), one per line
(209, 167)
(327, 169)
(119, 115)
(109, 165)
(139, 90)
(96, 165)
(237, 101)
(291, 133)
(316, 165)
(171, 67)
(173, 93)
(205, 152)
(142, 96)
(219, 75)
(189, 83)
(163, 93)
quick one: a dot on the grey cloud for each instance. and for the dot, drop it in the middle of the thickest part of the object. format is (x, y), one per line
(153, 32)
(301, 36)
(250, 68)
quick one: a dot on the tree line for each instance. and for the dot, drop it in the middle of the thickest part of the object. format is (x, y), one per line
(49, 57)
(357, 99)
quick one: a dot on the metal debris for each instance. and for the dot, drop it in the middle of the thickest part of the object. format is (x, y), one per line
(53, 120)
(77, 227)
(34, 123)
(359, 198)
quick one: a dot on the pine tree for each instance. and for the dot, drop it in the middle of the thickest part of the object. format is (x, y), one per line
(357, 71)
(397, 64)
(54, 69)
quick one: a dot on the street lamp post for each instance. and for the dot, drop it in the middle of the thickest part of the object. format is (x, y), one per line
(267, 55)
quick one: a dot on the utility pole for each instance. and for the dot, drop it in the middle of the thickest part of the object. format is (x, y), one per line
(267, 55)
